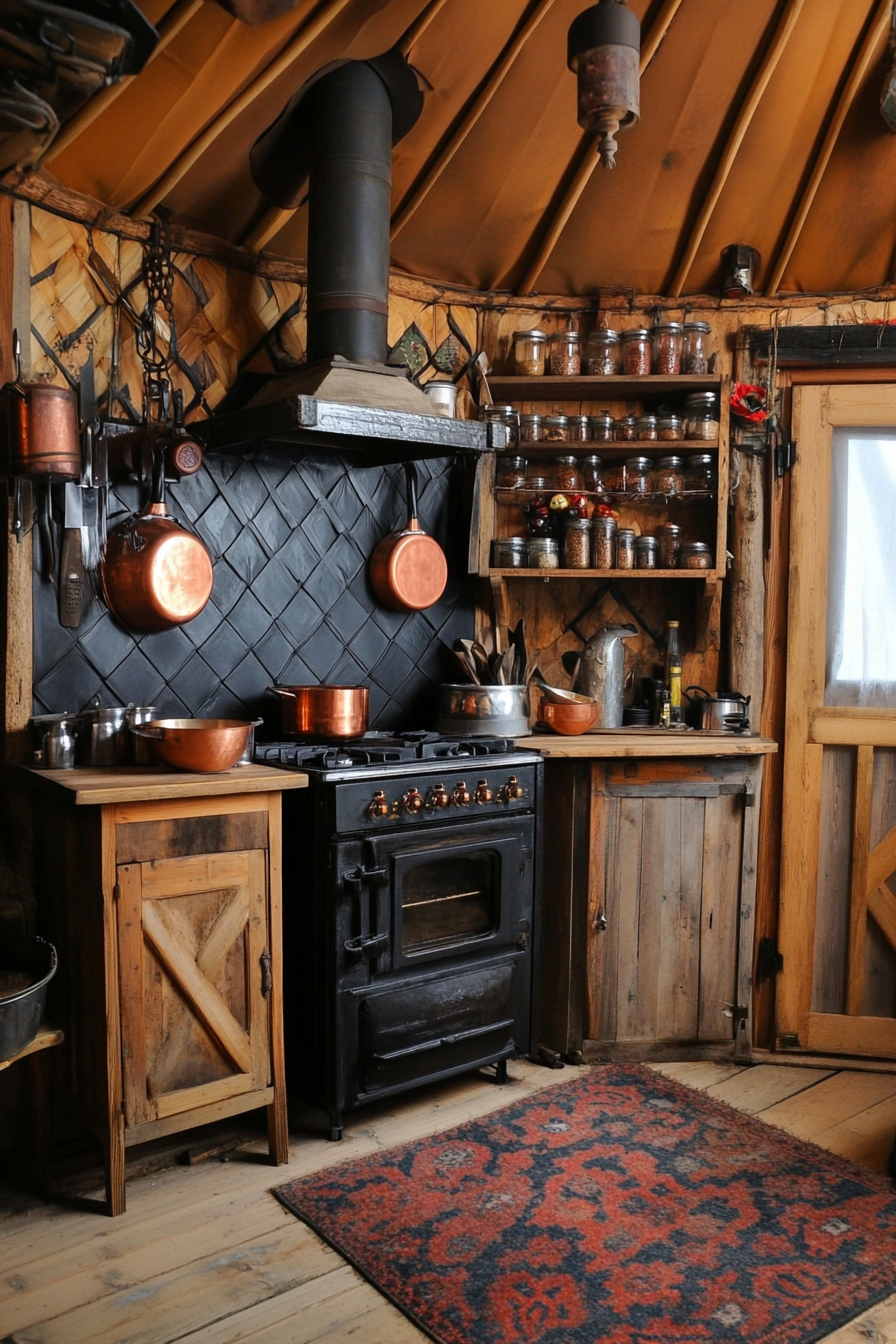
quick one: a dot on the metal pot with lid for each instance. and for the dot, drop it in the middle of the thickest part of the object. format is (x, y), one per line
(720, 713)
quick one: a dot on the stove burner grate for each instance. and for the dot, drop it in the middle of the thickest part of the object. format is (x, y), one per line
(378, 749)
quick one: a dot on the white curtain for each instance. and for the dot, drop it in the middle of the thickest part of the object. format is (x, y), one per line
(861, 625)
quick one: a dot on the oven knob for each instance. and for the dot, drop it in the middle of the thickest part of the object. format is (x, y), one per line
(380, 806)
(513, 789)
(412, 800)
(483, 793)
(438, 797)
(462, 796)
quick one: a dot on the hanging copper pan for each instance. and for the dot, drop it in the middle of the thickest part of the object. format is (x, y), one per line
(38, 429)
(155, 574)
(408, 570)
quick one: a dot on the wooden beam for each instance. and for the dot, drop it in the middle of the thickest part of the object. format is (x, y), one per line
(767, 68)
(418, 193)
(882, 908)
(178, 16)
(308, 34)
(858, 880)
(586, 160)
(876, 34)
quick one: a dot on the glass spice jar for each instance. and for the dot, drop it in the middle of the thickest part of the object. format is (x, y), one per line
(666, 338)
(637, 475)
(579, 429)
(669, 428)
(667, 477)
(603, 427)
(695, 347)
(695, 555)
(531, 430)
(668, 536)
(566, 475)
(603, 353)
(627, 428)
(537, 479)
(528, 353)
(636, 352)
(614, 477)
(504, 415)
(591, 474)
(509, 552)
(647, 427)
(555, 429)
(604, 528)
(511, 473)
(698, 473)
(565, 354)
(543, 553)
(702, 416)
(625, 548)
(646, 550)
(577, 543)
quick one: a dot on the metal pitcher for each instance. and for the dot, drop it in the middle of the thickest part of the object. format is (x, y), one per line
(600, 673)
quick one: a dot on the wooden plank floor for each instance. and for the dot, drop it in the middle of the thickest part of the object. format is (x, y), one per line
(205, 1254)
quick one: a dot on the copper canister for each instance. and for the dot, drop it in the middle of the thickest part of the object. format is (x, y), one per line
(39, 427)
(324, 712)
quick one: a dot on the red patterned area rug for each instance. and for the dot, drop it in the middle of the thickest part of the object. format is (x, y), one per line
(618, 1208)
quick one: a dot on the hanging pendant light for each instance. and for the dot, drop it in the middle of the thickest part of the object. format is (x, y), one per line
(604, 50)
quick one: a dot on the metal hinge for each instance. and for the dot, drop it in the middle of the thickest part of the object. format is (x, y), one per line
(769, 960)
(785, 453)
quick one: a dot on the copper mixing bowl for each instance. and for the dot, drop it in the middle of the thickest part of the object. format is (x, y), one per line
(203, 745)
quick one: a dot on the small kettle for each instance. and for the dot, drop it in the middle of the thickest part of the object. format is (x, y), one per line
(600, 672)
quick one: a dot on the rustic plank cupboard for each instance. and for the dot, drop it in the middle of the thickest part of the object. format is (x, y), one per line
(162, 894)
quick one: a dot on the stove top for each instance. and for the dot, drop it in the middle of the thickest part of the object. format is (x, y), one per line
(383, 749)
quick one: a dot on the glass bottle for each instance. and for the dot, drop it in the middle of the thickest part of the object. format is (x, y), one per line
(577, 543)
(673, 671)
(695, 348)
(565, 355)
(566, 475)
(603, 427)
(528, 353)
(511, 473)
(667, 338)
(531, 430)
(603, 352)
(636, 352)
(591, 474)
(625, 548)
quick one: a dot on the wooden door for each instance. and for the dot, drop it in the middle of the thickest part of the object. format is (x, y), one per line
(194, 978)
(837, 924)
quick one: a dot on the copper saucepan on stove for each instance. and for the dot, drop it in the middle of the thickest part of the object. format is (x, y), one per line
(325, 712)
(408, 569)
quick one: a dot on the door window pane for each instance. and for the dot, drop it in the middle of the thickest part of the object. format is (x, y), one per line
(449, 900)
(860, 665)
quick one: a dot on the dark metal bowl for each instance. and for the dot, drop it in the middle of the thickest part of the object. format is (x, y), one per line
(21, 1014)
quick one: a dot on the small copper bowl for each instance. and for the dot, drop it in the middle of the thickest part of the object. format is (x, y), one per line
(569, 719)
(205, 746)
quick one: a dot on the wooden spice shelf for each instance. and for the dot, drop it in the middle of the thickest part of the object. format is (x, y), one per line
(587, 387)
(605, 574)
(511, 496)
(622, 447)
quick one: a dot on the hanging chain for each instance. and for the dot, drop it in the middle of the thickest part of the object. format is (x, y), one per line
(158, 277)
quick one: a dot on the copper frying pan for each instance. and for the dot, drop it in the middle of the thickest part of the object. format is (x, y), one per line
(408, 569)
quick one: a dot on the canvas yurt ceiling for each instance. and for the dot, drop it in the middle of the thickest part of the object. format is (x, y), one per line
(760, 124)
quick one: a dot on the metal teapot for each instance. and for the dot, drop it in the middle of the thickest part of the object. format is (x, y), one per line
(600, 672)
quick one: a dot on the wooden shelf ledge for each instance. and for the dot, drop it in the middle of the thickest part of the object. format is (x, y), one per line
(47, 1036)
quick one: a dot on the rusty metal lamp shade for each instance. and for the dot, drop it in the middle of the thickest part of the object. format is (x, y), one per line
(739, 265)
(604, 50)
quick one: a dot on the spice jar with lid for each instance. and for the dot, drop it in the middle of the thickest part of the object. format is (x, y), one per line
(668, 536)
(528, 353)
(646, 549)
(577, 543)
(698, 474)
(667, 477)
(509, 552)
(555, 429)
(637, 475)
(602, 427)
(543, 553)
(627, 428)
(537, 478)
(590, 468)
(702, 416)
(625, 548)
(669, 428)
(504, 415)
(579, 429)
(604, 355)
(636, 352)
(647, 427)
(511, 473)
(695, 555)
(667, 338)
(531, 427)
(695, 347)
(566, 475)
(604, 530)
(565, 354)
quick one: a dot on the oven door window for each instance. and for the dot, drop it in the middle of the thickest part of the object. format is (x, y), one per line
(448, 900)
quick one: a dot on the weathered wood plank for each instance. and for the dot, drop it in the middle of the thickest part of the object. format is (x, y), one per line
(810, 1112)
(625, 887)
(858, 880)
(757, 1088)
(700, 1074)
(719, 914)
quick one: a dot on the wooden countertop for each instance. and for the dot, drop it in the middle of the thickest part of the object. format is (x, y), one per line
(608, 742)
(132, 784)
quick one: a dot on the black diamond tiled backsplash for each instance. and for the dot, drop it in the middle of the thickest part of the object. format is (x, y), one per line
(291, 600)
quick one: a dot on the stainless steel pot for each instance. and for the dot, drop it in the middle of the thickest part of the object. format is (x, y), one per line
(723, 713)
(103, 736)
(484, 711)
(140, 750)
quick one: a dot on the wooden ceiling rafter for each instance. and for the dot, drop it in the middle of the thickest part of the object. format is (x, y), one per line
(585, 160)
(274, 219)
(495, 78)
(177, 17)
(296, 47)
(728, 156)
(877, 30)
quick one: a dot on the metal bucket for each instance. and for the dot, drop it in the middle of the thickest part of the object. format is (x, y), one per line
(484, 711)
(21, 1014)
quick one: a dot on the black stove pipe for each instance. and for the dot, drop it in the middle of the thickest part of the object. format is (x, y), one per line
(349, 203)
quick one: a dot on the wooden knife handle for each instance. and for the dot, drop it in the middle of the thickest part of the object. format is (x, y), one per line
(71, 579)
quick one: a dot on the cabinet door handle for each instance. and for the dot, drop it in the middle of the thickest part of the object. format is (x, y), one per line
(266, 977)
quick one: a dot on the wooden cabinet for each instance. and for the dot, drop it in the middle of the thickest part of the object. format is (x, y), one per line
(648, 906)
(165, 912)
